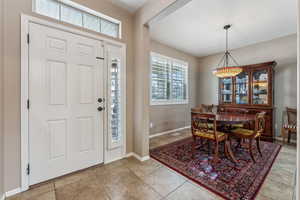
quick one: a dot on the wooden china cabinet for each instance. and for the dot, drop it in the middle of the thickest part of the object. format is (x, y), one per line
(251, 90)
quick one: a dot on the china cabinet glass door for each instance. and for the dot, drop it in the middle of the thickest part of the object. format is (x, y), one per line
(260, 87)
(226, 90)
(241, 88)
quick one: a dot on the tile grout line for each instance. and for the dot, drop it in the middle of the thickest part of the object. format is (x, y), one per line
(175, 189)
(160, 166)
(145, 182)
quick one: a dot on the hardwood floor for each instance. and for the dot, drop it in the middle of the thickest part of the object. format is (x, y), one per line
(129, 179)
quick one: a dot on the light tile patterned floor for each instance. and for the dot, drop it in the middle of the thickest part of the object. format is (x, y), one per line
(129, 179)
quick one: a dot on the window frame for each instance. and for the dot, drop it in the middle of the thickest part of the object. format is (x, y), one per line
(154, 102)
(84, 10)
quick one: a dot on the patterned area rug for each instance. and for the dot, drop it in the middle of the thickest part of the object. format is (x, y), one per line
(226, 179)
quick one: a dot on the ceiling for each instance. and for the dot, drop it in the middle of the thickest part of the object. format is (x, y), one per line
(197, 28)
(130, 5)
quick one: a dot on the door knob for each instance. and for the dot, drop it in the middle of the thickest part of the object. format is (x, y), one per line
(100, 109)
(100, 100)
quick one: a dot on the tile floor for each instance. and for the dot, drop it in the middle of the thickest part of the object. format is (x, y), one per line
(129, 179)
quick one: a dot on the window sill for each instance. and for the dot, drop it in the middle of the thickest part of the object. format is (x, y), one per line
(162, 103)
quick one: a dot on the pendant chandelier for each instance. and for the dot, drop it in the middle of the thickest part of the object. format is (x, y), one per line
(225, 70)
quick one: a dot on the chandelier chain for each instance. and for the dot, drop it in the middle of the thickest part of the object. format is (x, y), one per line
(225, 70)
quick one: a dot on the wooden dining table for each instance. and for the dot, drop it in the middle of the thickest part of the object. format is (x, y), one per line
(231, 119)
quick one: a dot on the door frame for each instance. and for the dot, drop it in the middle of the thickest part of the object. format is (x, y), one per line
(25, 21)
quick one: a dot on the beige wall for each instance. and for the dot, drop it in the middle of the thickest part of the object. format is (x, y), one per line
(137, 84)
(12, 11)
(141, 73)
(1, 103)
(169, 117)
(282, 50)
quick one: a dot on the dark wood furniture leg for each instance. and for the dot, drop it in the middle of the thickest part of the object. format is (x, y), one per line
(258, 146)
(208, 147)
(250, 149)
(193, 147)
(228, 149)
(216, 156)
(239, 144)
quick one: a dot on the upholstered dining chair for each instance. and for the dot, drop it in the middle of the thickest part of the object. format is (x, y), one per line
(201, 128)
(201, 110)
(291, 126)
(251, 135)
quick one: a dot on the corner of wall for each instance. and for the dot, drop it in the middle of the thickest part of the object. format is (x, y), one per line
(1, 101)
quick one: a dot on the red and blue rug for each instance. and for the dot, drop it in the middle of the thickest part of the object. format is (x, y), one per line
(240, 181)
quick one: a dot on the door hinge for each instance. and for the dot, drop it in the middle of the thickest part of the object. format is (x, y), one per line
(28, 38)
(28, 104)
(28, 169)
(100, 58)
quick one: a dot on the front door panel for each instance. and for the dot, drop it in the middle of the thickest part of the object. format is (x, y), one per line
(65, 81)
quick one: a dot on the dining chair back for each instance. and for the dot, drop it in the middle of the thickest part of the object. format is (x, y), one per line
(197, 109)
(207, 108)
(260, 123)
(242, 133)
(204, 123)
(204, 127)
(291, 116)
(291, 126)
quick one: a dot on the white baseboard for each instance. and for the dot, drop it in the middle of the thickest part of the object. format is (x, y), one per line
(142, 159)
(281, 139)
(13, 192)
(167, 132)
(113, 160)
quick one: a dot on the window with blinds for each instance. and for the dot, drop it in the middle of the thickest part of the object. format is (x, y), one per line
(168, 80)
(78, 15)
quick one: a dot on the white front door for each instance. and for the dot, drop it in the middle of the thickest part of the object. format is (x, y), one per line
(65, 84)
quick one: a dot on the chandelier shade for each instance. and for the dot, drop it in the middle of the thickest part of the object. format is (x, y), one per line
(226, 70)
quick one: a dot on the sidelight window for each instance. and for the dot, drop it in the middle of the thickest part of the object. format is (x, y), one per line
(115, 100)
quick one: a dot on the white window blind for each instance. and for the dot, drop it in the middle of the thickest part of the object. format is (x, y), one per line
(179, 80)
(168, 80)
(76, 14)
(160, 82)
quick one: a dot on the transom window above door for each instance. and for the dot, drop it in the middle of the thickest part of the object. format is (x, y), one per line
(169, 80)
(78, 15)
